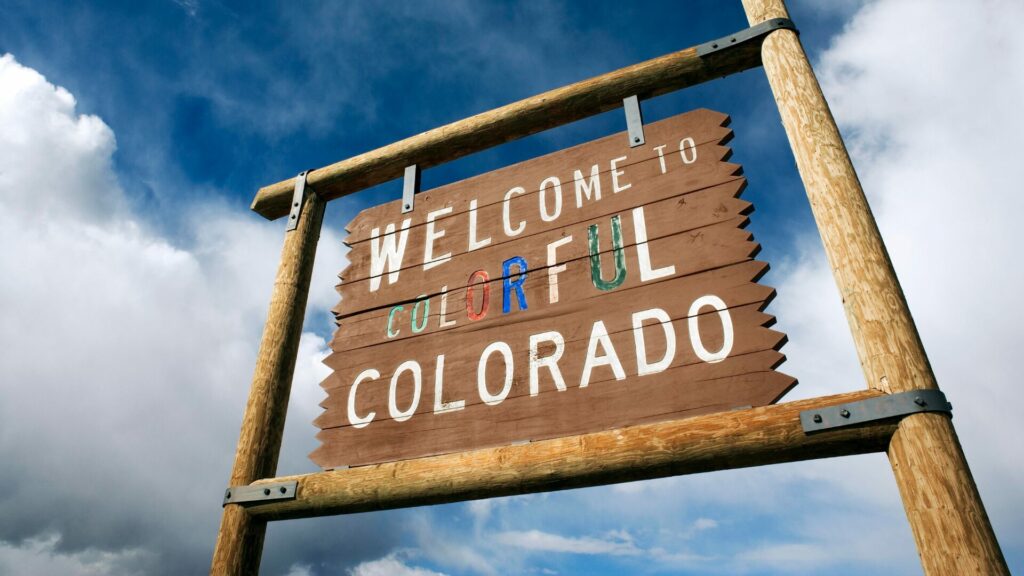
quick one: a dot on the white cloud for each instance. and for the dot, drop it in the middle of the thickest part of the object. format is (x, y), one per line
(615, 544)
(39, 556)
(704, 524)
(390, 566)
(300, 570)
(54, 163)
(787, 557)
(126, 355)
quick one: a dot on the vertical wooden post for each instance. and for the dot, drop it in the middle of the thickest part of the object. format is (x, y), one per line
(240, 540)
(946, 514)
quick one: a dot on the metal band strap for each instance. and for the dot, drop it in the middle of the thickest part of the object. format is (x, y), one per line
(757, 32)
(872, 409)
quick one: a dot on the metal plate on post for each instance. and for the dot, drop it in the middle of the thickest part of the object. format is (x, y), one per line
(260, 493)
(297, 197)
(880, 408)
(410, 187)
(634, 121)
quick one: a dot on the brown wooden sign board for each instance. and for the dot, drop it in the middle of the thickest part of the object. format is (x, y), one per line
(597, 287)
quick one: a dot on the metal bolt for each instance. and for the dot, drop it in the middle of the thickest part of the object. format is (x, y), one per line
(266, 491)
(296, 204)
(817, 418)
(844, 413)
(636, 139)
(282, 489)
(714, 45)
(227, 495)
(919, 401)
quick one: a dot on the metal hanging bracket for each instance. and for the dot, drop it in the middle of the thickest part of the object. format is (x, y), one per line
(410, 187)
(872, 409)
(634, 121)
(298, 197)
(260, 493)
(756, 32)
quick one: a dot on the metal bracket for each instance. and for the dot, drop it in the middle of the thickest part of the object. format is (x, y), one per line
(756, 32)
(260, 493)
(872, 409)
(634, 121)
(297, 199)
(410, 187)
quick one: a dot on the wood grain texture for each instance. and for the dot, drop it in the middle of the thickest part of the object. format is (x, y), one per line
(948, 519)
(511, 122)
(692, 221)
(240, 539)
(725, 440)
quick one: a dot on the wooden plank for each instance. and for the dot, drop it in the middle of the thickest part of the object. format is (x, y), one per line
(424, 363)
(240, 539)
(735, 439)
(948, 519)
(535, 114)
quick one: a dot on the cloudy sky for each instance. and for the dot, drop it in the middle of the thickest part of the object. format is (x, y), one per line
(134, 281)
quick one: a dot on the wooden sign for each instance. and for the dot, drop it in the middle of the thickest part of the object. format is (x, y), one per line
(593, 288)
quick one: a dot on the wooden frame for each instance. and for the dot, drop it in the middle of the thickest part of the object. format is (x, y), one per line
(948, 519)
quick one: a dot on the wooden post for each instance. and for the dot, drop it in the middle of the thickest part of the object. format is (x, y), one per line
(240, 540)
(946, 514)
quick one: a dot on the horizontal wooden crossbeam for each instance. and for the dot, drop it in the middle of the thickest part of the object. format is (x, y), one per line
(488, 129)
(735, 439)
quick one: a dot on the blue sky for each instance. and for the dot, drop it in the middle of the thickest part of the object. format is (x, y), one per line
(133, 136)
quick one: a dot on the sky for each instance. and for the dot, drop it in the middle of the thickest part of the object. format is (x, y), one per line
(133, 136)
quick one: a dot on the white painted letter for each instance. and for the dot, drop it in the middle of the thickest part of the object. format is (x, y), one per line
(643, 367)
(417, 382)
(549, 362)
(439, 406)
(683, 145)
(475, 244)
(585, 188)
(390, 254)
(542, 197)
(661, 156)
(643, 250)
(509, 231)
(727, 336)
(615, 176)
(481, 373)
(429, 261)
(554, 270)
(442, 321)
(599, 335)
(356, 420)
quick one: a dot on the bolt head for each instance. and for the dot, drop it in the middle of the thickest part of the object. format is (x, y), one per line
(817, 418)
(844, 413)
(266, 491)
